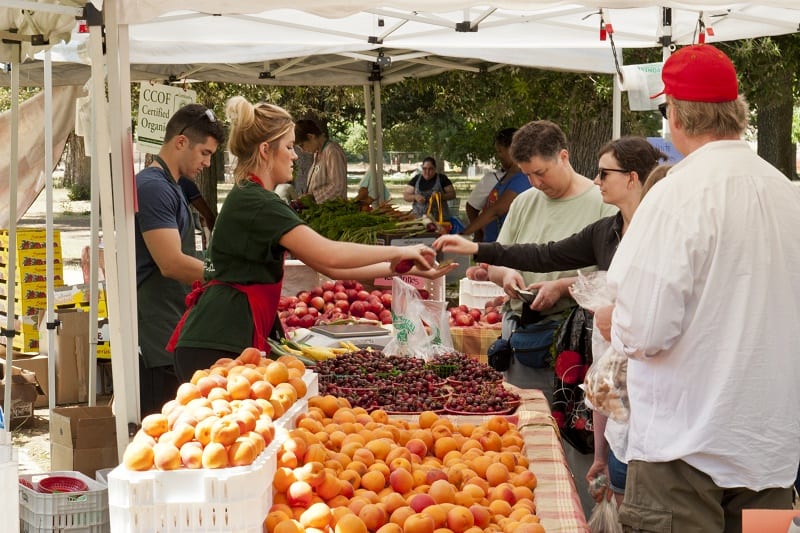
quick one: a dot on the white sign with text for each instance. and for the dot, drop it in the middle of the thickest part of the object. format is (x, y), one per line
(157, 103)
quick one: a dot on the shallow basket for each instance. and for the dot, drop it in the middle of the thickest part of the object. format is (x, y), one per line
(72, 512)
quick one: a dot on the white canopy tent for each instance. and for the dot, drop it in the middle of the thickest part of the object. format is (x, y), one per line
(358, 42)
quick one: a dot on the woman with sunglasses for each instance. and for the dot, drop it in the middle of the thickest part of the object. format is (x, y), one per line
(624, 166)
(236, 307)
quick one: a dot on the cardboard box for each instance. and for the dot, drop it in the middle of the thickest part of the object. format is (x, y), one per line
(83, 439)
(38, 365)
(27, 328)
(72, 356)
(24, 390)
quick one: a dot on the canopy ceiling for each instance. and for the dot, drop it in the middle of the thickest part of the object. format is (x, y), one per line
(338, 42)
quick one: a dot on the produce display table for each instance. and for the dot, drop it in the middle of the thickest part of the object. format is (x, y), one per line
(475, 340)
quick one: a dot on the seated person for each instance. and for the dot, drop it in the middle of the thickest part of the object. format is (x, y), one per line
(422, 186)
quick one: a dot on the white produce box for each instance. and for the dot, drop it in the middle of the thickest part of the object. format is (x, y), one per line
(9, 471)
(75, 512)
(476, 293)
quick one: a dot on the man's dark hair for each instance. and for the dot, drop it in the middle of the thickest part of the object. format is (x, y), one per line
(305, 127)
(539, 138)
(504, 137)
(197, 123)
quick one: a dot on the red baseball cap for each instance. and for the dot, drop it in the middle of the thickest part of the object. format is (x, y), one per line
(700, 73)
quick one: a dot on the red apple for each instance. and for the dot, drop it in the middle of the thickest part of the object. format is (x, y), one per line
(464, 319)
(318, 302)
(316, 291)
(304, 296)
(328, 285)
(358, 308)
(386, 299)
(476, 314)
(493, 317)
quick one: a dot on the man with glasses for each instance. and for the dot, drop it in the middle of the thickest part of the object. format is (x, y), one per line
(166, 264)
(707, 289)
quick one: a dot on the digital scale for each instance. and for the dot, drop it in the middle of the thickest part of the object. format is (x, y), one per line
(362, 335)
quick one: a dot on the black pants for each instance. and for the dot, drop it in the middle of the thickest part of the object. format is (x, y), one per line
(188, 360)
(157, 386)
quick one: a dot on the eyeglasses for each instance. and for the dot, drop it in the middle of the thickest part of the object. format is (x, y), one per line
(663, 108)
(601, 172)
(207, 113)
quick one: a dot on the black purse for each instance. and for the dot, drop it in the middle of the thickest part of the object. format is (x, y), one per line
(499, 354)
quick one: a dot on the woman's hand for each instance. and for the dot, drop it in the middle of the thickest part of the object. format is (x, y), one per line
(549, 292)
(455, 244)
(598, 487)
(435, 272)
(423, 258)
(512, 280)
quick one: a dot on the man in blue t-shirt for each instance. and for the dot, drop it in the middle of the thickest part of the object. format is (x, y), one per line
(166, 264)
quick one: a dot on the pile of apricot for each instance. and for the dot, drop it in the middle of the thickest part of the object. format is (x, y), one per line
(344, 470)
(222, 417)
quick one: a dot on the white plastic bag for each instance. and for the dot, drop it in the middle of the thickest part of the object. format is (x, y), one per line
(410, 316)
(605, 384)
(605, 517)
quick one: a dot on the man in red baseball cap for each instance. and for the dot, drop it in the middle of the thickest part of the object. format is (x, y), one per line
(707, 289)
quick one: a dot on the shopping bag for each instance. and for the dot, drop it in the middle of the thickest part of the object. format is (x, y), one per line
(421, 327)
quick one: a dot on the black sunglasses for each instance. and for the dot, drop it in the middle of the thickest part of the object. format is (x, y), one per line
(601, 172)
(212, 118)
(663, 108)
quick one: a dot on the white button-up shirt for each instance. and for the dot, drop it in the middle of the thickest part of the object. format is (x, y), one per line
(707, 285)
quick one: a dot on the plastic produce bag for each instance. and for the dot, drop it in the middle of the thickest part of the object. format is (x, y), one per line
(605, 384)
(605, 518)
(410, 316)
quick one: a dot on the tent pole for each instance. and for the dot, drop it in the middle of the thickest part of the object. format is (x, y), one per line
(377, 175)
(616, 99)
(376, 86)
(13, 176)
(50, 280)
(666, 51)
(117, 199)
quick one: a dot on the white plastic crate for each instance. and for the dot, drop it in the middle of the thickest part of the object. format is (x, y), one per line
(69, 512)
(476, 293)
(9, 472)
(231, 500)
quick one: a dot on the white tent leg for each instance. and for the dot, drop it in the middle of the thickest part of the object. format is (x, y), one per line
(50, 314)
(13, 176)
(118, 215)
(616, 99)
(374, 167)
(376, 86)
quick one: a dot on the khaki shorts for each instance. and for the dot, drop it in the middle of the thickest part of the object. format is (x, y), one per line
(675, 497)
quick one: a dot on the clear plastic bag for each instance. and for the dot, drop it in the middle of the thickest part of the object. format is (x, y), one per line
(410, 316)
(605, 517)
(605, 384)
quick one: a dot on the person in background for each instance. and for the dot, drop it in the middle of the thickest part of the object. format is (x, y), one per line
(367, 194)
(196, 200)
(166, 264)
(625, 167)
(302, 167)
(706, 290)
(513, 182)
(236, 308)
(477, 198)
(327, 178)
(423, 185)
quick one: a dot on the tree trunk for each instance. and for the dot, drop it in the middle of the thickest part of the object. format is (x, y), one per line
(586, 137)
(774, 124)
(209, 177)
(77, 165)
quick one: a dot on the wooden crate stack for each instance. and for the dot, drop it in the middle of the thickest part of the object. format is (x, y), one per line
(30, 293)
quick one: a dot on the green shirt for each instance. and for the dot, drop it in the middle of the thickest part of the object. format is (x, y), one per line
(244, 249)
(535, 218)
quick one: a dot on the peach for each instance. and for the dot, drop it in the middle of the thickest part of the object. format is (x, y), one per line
(166, 456)
(138, 455)
(155, 424)
(419, 523)
(459, 519)
(192, 455)
(215, 455)
(420, 501)
(225, 431)
(242, 452)
(299, 494)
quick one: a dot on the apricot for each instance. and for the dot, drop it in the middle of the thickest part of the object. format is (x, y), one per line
(249, 355)
(419, 523)
(289, 526)
(401, 480)
(192, 455)
(219, 393)
(299, 494)
(225, 431)
(242, 452)
(350, 523)
(438, 513)
(215, 455)
(187, 392)
(138, 456)
(276, 373)
(459, 519)
(427, 419)
(155, 424)
(442, 491)
(374, 481)
(374, 516)
(166, 456)
(390, 528)
(317, 515)
(496, 473)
